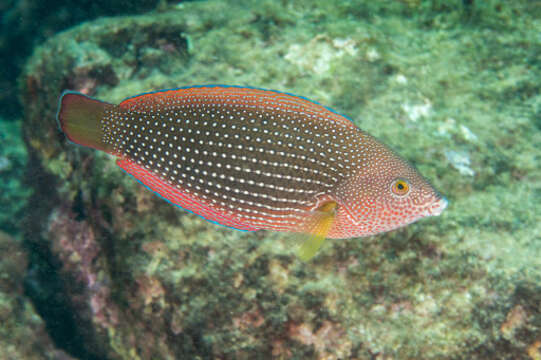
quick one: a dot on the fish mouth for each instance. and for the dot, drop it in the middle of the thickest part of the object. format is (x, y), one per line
(437, 208)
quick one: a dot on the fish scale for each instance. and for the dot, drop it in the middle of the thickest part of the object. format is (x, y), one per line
(255, 159)
(246, 157)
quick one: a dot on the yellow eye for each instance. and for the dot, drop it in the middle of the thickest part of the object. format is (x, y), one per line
(400, 187)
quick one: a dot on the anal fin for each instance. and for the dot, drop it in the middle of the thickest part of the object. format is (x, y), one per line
(180, 198)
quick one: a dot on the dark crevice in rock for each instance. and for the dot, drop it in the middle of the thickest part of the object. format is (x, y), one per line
(43, 284)
(46, 290)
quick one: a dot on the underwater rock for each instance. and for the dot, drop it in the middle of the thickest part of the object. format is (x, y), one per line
(13, 160)
(23, 334)
(27, 23)
(142, 279)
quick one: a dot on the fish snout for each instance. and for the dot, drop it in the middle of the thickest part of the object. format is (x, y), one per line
(437, 208)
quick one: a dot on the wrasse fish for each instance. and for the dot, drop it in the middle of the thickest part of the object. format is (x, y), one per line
(255, 159)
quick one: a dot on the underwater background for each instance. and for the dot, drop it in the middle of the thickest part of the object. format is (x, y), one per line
(93, 266)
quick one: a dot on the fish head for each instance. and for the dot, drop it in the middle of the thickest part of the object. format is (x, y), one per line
(387, 193)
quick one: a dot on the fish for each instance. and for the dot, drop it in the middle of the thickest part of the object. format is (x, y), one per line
(255, 159)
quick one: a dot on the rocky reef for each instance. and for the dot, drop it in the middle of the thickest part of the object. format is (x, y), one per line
(23, 334)
(117, 273)
(25, 24)
(13, 160)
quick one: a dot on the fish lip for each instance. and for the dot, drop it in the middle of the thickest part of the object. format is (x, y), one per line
(437, 208)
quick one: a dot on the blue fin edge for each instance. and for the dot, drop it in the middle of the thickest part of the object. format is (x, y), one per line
(239, 87)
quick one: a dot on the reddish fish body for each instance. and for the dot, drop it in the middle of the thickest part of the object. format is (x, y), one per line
(255, 159)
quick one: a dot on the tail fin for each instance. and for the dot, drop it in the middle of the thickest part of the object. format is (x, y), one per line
(79, 117)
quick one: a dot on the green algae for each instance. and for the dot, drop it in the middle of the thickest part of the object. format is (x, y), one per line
(452, 87)
(28, 23)
(23, 334)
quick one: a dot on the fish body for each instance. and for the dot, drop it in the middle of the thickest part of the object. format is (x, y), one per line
(255, 159)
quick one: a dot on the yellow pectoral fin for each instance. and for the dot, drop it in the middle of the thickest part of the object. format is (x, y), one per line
(310, 247)
(323, 221)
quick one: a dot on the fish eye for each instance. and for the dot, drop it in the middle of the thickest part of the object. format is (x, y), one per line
(400, 187)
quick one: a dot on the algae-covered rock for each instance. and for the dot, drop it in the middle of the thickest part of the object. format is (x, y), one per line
(24, 24)
(454, 88)
(23, 333)
(13, 160)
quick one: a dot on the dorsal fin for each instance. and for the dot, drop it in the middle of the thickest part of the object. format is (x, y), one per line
(224, 94)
